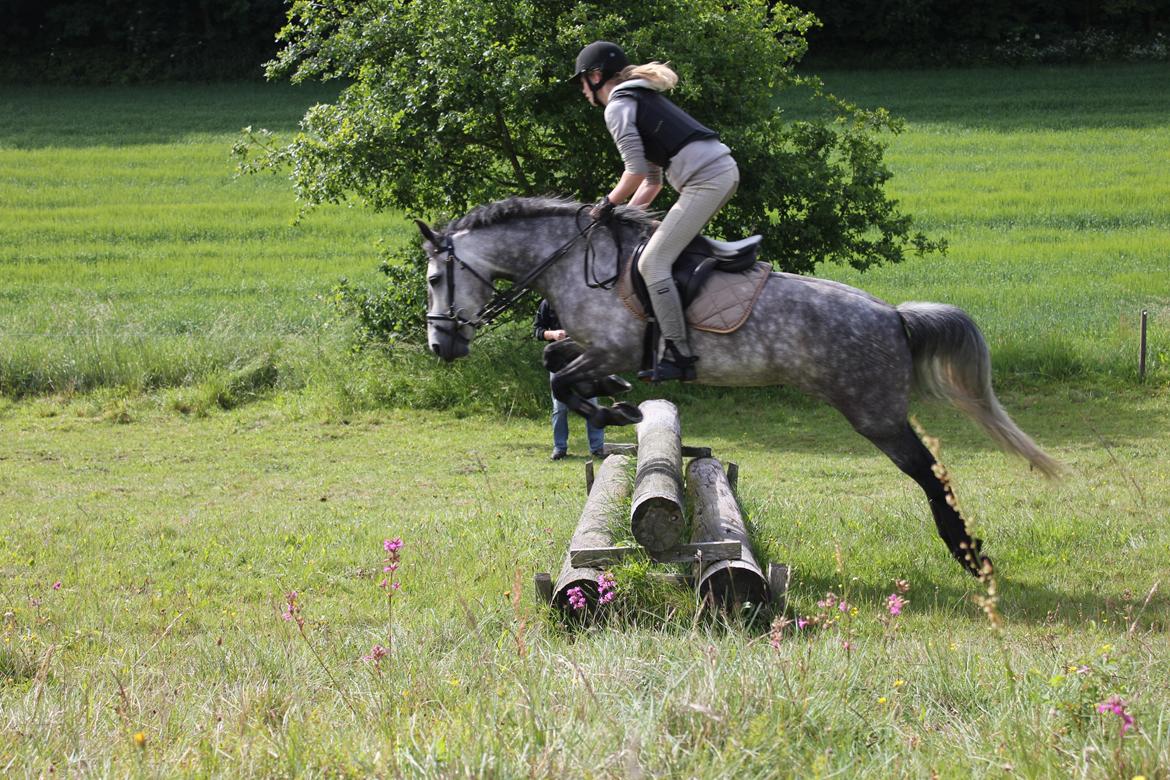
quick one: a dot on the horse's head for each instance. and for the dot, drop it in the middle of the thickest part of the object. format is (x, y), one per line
(456, 292)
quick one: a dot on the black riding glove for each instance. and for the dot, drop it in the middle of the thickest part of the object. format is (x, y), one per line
(602, 210)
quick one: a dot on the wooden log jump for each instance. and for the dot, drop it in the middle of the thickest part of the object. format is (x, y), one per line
(725, 570)
(727, 583)
(656, 511)
(610, 488)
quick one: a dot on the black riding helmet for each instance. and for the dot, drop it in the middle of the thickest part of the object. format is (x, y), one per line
(603, 56)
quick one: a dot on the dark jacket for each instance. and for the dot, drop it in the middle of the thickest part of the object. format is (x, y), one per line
(546, 319)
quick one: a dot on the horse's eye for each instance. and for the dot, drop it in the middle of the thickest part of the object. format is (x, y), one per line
(434, 278)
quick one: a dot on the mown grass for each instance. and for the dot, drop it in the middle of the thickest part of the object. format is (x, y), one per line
(175, 536)
(1050, 186)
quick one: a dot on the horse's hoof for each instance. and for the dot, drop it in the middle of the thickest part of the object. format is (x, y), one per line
(619, 414)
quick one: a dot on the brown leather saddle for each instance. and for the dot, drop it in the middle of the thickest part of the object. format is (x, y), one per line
(718, 282)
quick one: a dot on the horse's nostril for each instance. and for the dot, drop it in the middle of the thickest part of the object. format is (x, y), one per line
(435, 348)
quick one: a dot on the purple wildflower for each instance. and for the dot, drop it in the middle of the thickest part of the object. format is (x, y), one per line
(1115, 705)
(292, 609)
(57, 585)
(606, 587)
(392, 545)
(895, 603)
(576, 598)
(376, 654)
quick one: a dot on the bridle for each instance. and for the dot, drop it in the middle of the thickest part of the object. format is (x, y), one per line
(502, 300)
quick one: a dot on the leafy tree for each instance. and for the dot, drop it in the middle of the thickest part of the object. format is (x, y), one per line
(451, 103)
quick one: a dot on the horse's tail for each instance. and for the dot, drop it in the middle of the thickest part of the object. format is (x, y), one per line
(952, 362)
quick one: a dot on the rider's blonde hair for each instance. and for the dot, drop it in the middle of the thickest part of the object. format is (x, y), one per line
(660, 74)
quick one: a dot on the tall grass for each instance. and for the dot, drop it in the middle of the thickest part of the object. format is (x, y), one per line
(133, 257)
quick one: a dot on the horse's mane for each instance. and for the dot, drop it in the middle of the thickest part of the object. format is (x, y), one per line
(520, 207)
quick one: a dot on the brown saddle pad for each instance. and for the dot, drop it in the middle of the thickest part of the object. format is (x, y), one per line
(723, 305)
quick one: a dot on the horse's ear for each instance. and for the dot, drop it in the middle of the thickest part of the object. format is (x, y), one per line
(427, 233)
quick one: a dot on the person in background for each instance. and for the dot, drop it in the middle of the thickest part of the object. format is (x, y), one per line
(547, 327)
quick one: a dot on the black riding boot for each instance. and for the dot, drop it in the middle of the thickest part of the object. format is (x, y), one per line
(673, 365)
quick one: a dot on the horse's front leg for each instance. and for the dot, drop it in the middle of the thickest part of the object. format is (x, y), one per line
(559, 354)
(578, 375)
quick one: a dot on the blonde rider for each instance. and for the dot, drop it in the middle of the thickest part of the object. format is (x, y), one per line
(654, 135)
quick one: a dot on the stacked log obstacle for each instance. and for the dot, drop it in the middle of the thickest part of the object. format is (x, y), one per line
(725, 571)
(656, 511)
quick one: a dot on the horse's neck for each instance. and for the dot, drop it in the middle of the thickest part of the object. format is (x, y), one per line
(580, 284)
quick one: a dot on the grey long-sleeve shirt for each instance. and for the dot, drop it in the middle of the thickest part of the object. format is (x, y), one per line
(701, 159)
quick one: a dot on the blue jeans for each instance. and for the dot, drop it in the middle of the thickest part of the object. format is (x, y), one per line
(560, 426)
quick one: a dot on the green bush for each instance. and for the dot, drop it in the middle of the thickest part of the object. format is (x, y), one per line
(452, 103)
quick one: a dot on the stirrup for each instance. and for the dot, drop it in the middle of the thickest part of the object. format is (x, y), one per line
(673, 365)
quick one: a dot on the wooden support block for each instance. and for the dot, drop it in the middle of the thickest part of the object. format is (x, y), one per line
(588, 557)
(588, 476)
(733, 477)
(544, 587)
(656, 510)
(723, 550)
(717, 518)
(779, 576)
(632, 449)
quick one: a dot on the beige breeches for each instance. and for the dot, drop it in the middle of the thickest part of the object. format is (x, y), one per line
(696, 204)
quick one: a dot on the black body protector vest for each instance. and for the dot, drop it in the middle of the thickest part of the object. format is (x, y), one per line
(665, 128)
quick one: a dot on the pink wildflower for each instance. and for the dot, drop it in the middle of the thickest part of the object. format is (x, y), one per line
(843, 606)
(829, 601)
(576, 598)
(606, 587)
(902, 586)
(390, 565)
(376, 654)
(895, 603)
(776, 635)
(1115, 705)
(292, 609)
(57, 585)
(801, 623)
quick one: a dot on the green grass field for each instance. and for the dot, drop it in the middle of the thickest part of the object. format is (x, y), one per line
(140, 282)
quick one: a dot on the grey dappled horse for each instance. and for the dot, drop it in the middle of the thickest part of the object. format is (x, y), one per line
(835, 342)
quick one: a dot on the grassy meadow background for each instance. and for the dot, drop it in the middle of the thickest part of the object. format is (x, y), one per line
(185, 436)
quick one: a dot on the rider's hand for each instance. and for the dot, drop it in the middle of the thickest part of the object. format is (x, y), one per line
(555, 335)
(602, 210)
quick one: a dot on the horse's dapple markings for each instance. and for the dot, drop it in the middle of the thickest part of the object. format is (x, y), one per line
(832, 341)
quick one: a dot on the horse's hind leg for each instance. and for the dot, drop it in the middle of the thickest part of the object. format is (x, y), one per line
(912, 457)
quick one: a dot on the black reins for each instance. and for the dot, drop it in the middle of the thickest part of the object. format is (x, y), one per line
(502, 300)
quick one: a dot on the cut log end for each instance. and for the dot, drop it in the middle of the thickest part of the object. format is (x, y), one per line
(659, 525)
(731, 587)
